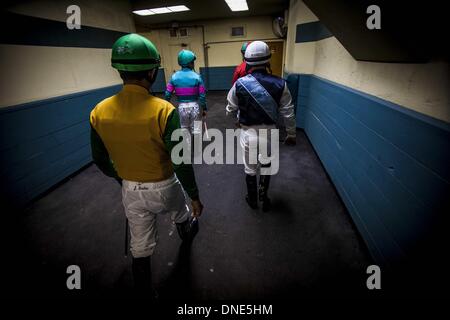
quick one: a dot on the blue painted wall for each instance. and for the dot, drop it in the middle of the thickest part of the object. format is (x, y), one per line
(311, 31)
(389, 164)
(43, 142)
(217, 78)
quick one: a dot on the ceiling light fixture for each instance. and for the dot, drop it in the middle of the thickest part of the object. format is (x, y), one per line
(237, 5)
(143, 12)
(178, 8)
(160, 10)
(148, 12)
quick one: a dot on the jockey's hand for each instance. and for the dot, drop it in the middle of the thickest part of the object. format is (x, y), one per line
(197, 208)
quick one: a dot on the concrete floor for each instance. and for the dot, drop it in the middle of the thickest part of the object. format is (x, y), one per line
(306, 246)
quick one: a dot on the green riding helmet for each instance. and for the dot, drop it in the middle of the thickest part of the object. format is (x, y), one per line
(244, 47)
(133, 52)
(185, 57)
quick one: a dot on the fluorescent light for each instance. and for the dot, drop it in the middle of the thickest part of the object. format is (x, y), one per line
(237, 5)
(178, 8)
(143, 12)
(160, 10)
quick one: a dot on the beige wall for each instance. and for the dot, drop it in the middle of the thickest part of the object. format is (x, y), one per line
(45, 72)
(225, 53)
(299, 56)
(256, 28)
(229, 54)
(420, 87)
(106, 14)
(169, 47)
(38, 72)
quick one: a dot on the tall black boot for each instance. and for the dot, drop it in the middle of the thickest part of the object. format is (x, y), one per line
(188, 229)
(264, 181)
(142, 276)
(251, 197)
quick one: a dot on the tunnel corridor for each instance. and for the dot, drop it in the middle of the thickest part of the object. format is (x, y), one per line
(361, 200)
(306, 246)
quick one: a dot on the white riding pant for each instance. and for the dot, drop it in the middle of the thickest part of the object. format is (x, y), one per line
(251, 140)
(143, 201)
(190, 112)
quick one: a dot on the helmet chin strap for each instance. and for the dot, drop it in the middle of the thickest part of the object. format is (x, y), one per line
(152, 79)
(155, 75)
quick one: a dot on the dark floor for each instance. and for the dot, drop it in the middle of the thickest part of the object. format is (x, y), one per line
(306, 246)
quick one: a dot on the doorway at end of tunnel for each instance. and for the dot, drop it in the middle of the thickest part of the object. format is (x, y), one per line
(276, 61)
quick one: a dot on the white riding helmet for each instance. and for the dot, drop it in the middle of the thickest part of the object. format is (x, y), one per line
(257, 53)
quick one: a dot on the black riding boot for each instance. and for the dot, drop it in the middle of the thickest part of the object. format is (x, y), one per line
(188, 229)
(251, 197)
(264, 181)
(142, 275)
